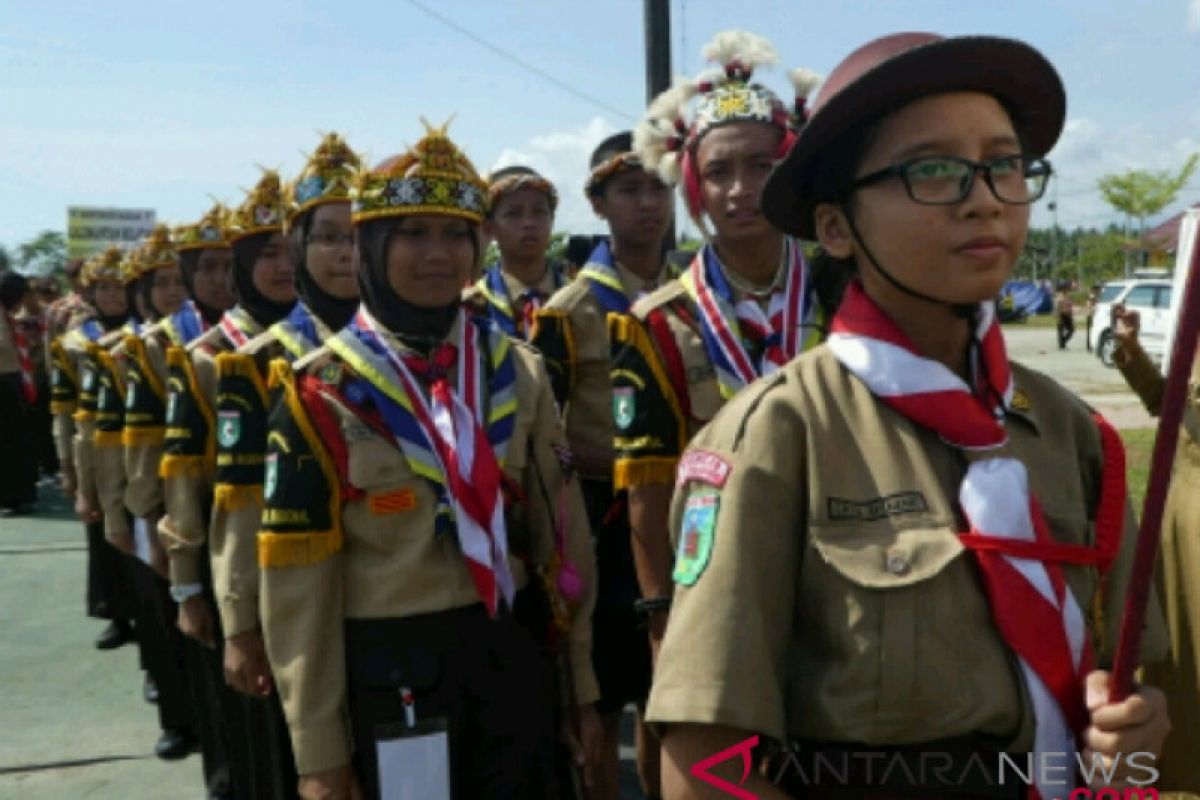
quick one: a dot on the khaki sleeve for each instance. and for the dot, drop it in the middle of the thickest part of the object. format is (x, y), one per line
(188, 463)
(1142, 376)
(300, 555)
(238, 494)
(546, 468)
(739, 524)
(82, 455)
(145, 426)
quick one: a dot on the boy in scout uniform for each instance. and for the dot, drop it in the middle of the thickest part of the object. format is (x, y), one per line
(571, 334)
(744, 306)
(73, 387)
(521, 206)
(1179, 675)
(204, 444)
(406, 563)
(901, 543)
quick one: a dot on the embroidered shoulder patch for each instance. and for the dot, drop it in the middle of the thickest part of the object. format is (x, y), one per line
(703, 466)
(696, 537)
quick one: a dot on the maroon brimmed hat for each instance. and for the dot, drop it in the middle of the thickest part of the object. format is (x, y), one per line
(887, 73)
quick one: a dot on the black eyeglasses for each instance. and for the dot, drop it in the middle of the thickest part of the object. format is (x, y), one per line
(946, 180)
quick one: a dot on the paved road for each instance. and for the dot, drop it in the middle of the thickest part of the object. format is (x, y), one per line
(72, 721)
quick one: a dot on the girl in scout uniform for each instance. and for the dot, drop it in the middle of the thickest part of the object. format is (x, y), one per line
(744, 306)
(263, 281)
(901, 543)
(183, 289)
(521, 206)
(571, 334)
(1179, 675)
(326, 266)
(73, 387)
(418, 505)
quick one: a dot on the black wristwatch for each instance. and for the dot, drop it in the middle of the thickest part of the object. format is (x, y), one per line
(645, 607)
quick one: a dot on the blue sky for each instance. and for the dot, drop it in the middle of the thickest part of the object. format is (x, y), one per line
(167, 104)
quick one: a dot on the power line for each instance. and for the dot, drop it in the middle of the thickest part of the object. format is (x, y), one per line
(525, 65)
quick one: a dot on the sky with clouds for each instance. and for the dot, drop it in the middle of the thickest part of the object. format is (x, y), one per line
(167, 104)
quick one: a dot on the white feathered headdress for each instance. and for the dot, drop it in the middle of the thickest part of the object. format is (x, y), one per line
(665, 139)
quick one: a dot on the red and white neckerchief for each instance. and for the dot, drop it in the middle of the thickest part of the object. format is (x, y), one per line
(726, 326)
(238, 327)
(453, 423)
(530, 302)
(24, 361)
(1031, 604)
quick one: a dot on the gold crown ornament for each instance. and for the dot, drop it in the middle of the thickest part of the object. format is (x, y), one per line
(263, 210)
(106, 265)
(208, 233)
(157, 251)
(328, 177)
(433, 177)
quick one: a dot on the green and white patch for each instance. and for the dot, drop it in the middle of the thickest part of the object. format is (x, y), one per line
(624, 405)
(696, 537)
(229, 428)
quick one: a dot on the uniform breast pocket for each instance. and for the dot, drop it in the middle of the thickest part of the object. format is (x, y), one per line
(892, 612)
(373, 463)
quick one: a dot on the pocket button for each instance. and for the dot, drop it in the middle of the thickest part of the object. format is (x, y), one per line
(896, 562)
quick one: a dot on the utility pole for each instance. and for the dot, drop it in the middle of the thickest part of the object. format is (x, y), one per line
(658, 64)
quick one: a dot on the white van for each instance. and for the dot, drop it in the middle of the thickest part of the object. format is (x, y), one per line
(1151, 298)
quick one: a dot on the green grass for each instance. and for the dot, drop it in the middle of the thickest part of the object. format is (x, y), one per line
(1139, 443)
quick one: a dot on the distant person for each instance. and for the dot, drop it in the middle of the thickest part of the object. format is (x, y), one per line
(1064, 307)
(18, 392)
(32, 320)
(1093, 299)
(71, 306)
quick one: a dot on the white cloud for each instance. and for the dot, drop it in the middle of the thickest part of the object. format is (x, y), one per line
(1193, 21)
(562, 157)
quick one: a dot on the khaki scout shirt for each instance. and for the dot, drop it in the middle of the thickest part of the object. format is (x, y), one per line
(838, 603)
(1179, 565)
(572, 335)
(85, 356)
(326, 559)
(189, 465)
(241, 410)
(145, 420)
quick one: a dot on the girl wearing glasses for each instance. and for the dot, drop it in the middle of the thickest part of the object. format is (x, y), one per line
(901, 544)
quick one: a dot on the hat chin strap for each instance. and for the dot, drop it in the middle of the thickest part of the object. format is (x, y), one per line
(962, 310)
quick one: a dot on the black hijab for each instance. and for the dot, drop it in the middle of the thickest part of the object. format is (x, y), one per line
(335, 312)
(418, 327)
(189, 262)
(245, 253)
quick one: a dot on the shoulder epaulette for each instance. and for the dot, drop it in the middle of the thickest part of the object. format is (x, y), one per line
(110, 401)
(191, 445)
(145, 397)
(64, 379)
(554, 337)
(241, 417)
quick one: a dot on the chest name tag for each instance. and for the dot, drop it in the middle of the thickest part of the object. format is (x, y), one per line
(841, 509)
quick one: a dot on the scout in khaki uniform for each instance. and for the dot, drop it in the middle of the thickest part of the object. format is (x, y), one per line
(743, 307)
(901, 543)
(326, 278)
(263, 280)
(420, 518)
(571, 333)
(74, 382)
(197, 257)
(153, 282)
(521, 206)
(1179, 675)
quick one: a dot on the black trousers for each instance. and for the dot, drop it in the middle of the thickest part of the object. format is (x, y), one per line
(1066, 329)
(18, 462)
(486, 678)
(109, 595)
(161, 645)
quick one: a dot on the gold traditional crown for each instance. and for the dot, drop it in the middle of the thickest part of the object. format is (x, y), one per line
(262, 211)
(328, 177)
(109, 264)
(208, 233)
(434, 177)
(156, 252)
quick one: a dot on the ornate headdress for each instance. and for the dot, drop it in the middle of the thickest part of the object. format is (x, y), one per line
(510, 179)
(208, 233)
(433, 177)
(611, 157)
(156, 251)
(328, 177)
(110, 264)
(667, 141)
(262, 211)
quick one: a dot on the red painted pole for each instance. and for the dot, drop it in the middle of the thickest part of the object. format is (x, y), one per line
(1165, 439)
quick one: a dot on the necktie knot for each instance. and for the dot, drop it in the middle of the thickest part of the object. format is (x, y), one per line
(434, 367)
